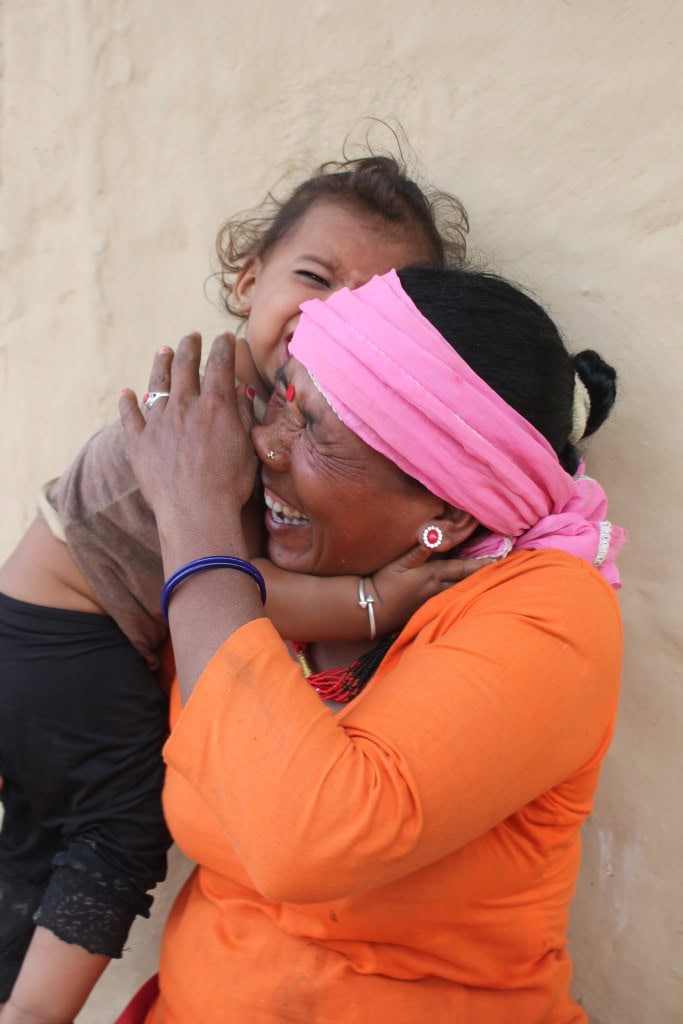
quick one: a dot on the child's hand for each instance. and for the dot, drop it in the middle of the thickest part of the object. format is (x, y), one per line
(404, 585)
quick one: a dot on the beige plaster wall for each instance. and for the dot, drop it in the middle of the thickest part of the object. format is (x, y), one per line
(129, 131)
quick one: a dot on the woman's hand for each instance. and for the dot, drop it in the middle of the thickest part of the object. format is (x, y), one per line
(404, 585)
(192, 454)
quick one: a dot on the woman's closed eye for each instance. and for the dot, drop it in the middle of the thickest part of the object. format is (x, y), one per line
(280, 386)
(279, 397)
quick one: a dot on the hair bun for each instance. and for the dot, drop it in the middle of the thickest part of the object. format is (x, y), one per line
(600, 380)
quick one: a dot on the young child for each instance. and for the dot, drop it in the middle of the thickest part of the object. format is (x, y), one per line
(84, 717)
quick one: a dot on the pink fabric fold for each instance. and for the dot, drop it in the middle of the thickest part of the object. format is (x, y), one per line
(395, 381)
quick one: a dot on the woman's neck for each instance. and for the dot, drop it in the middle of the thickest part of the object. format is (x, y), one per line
(336, 655)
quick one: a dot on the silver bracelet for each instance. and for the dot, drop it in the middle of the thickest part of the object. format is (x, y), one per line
(367, 603)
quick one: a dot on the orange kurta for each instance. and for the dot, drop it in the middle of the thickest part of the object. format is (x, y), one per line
(410, 860)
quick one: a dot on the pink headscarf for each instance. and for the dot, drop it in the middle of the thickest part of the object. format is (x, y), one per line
(394, 381)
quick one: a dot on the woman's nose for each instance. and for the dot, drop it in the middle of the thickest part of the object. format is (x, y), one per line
(269, 446)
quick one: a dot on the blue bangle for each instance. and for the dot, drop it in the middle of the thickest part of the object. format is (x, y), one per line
(210, 562)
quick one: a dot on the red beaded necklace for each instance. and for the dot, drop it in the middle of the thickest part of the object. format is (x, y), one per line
(342, 684)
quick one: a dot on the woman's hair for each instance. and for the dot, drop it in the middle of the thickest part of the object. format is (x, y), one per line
(378, 185)
(512, 344)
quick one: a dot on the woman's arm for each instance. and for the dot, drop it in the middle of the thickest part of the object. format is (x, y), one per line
(492, 696)
(55, 980)
(198, 511)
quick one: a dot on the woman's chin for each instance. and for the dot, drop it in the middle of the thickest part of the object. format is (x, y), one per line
(288, 549)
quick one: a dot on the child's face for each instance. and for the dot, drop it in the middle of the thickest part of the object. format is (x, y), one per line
(331, 247)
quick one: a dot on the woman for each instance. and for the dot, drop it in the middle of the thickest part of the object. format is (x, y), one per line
(409, 856)
(83, 720)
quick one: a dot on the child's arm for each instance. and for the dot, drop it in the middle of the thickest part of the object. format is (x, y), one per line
(55, 980)
(308, 608)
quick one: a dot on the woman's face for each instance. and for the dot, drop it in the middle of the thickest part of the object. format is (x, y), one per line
(334, 505)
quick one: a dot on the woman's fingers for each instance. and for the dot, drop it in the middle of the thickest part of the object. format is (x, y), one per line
(176, 375)
(219, 381)
(159, 379)
(131, 417)
(219, 377)
(191, 450)
(180, 372)
(159, 387)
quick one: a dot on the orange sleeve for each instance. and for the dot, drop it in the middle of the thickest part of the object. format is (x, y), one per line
(496, 691)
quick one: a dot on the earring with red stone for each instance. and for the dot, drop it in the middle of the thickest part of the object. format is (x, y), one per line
(432, 536)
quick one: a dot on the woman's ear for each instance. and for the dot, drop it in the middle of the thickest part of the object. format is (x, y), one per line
(244, 285)
(447, 531)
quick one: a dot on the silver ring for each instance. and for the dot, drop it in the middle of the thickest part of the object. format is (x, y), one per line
(151, 397)
(270, 454)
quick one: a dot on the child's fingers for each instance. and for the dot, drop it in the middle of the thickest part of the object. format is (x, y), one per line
(453, 570)
(443, 572)
(259, 407)
(414, 557)
(245, 406)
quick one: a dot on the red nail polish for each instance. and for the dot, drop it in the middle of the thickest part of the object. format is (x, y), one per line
(250, 392)
(291, 391)
(145, 397)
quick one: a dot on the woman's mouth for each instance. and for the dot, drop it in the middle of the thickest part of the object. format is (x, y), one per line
(283, 514)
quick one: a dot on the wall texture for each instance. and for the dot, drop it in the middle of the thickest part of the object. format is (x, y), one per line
(129, 131)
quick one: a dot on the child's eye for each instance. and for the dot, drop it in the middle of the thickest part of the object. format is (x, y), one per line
(316, 278)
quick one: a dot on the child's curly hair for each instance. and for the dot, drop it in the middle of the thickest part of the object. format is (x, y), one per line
(376, 183)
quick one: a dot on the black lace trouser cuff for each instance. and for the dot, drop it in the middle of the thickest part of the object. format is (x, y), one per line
(86, 911)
